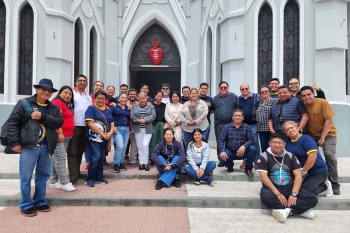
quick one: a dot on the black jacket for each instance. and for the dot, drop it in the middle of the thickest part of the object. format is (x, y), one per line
(22, 130)
(161, 149)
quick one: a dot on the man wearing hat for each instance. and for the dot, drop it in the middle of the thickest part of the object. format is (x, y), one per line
(166, 91)
(31, 132)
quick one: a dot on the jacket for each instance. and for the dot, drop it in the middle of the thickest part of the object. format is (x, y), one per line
(135, 117)
(200, 117)
(27, 134)
(191, 155)
(161, 149)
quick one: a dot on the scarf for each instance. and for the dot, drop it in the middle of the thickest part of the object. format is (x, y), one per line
(193, 108)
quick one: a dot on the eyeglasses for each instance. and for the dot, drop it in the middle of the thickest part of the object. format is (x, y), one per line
(244, 89)
(165, 88)
(277, 143)
(223, 88)
(82, 81)
(264, 91)
(99, 98)
(44, 89)
(296, 83)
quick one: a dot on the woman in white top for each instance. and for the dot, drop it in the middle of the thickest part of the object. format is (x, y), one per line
(194, 115)
(172, 116)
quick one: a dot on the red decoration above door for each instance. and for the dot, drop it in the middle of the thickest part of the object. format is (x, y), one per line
(155, 53)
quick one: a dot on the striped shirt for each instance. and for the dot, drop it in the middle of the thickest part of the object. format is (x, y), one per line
(142, 113)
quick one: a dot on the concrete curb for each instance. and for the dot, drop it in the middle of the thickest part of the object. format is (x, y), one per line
(190, 202)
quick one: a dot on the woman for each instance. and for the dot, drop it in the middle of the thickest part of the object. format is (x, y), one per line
(59, 177)
(144, 89)
(142, 116)
(158, 123)
(121, 117)
(262, 116)
(172, 116)
(110, 93)
(168, 156)
(198, 165)
(100, 129)
(194, 115)
(315, 170)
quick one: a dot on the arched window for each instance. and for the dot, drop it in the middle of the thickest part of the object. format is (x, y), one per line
(76, 49)
(2, 44)
(92, 59)
(25, 56)
(291, 40)
(209, 57)
(265, 45)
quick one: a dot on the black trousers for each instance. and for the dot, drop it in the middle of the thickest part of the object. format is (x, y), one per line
(75, 150)
(305, 200)
(218, 129)
(315, 184)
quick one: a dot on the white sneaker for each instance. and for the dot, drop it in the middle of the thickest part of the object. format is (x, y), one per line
(197, 182)
(308, 214)
(329, 191)
(68, 187)
(280, 215)
(56, 185)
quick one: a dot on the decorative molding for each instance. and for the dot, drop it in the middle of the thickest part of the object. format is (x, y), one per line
(7, 52)
(54, 12)
(156, 1)
(193, 63)
(84, 46)
(87, 8)
(206, 7)
(75, 5)
(99, 3)
(232, 14)
(179, 14)
(248, 3)
(112, 63)
(98, 18)
(214, 9)
(43, 4)
(129, 14)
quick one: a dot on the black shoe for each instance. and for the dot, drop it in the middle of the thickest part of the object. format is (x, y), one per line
(248, 172)
(230, 169)
(116, 168)
(221, 164)
(74, 182)
(122, 167)
(29, 212)
(140, 167)
(159, 185)
(43, 208)
(336, 190)
(146, 167)
(177, 182)
(151, 162)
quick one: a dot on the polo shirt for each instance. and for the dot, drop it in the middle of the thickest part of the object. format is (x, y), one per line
(82, 102)
(121, 116)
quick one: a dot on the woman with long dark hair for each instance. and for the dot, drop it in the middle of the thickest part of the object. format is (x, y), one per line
(59, 177)
(172, 115)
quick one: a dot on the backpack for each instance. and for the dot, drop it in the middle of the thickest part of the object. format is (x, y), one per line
(3, 133)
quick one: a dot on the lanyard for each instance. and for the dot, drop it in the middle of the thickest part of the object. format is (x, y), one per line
(281, 165)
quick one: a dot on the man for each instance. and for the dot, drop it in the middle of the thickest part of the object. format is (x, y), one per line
(249, 103)
(185, 94)
(287, 109)
(132, 143)
(31, 131)
(280, 173)
(166, 91)
(122, 88)
(321, 128)
(144, 89)
(274, 84)
(236, 142)
(203, 91)
(77, 144)
(294, 86)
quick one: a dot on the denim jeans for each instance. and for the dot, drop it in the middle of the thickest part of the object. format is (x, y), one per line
(188, 137)
(264, 137)
(167, 176)
(256, 141)
(208, 169)
(249, 156)
(41, 160)
(121, 140)
(97, 153)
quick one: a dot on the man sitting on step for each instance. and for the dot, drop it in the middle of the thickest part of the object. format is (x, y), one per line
(280, 173)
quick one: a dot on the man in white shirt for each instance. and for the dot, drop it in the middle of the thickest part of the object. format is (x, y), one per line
(166, 91)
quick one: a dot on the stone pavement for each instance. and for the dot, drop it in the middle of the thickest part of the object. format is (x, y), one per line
(129, 203)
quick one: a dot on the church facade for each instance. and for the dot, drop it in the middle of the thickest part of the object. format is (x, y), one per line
(181, 42)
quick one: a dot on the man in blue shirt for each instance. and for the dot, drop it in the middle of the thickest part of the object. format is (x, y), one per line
(236, 142)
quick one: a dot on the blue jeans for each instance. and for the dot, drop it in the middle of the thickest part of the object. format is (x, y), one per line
(256, 141)
(208, 169)
(28, 159)
(264, 137)
(188, 137)
(97, 153)
(121, 140)
(249, 156)
(168, 176)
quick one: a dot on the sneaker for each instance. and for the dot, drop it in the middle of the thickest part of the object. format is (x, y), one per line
(56, 185)
(122, 167)
(90, 183)
(230, 169)
(159, 185)
(31, 212)
(103, 181)
(197, 182)
(116, 168)
(43, 208)
(133, 164)
(177, 182)
(210, 182)
(68, 187)
(280, 215)
(74, 182)
(242, 165)
(308, 214)
(329, 191)
(87, 167)
(248, 172)
(336, 190)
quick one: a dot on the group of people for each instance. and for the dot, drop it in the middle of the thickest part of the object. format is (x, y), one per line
(277, 132)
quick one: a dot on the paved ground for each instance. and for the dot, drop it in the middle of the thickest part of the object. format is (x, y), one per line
(139, 184)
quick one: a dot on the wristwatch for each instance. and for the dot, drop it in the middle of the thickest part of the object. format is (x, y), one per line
(294, 194)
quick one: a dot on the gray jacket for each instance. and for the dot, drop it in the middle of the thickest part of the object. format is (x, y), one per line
(135, 117)
(191, 155)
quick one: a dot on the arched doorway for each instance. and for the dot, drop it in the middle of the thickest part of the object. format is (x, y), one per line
(142, 68)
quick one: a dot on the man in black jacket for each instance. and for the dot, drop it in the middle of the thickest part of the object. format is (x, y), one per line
(31, 132)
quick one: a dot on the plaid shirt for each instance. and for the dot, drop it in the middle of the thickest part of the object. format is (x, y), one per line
(263, 114)
(233, 138)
